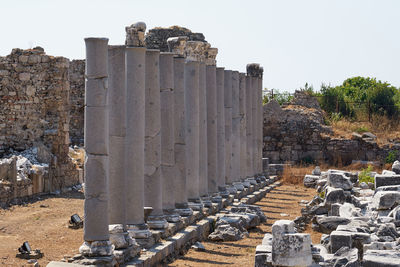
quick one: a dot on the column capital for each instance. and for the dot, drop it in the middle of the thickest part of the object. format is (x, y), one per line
(211, 55)
(254, 70)
(196, 50)
(177, 45)
(135, 34)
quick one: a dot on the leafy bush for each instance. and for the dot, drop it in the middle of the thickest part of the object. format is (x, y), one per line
(391, 157)
(365, 175)
(361, 129)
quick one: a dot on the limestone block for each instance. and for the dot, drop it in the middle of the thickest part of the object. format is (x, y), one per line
(328, 224)
(340, 239)
(381, 258)
(339, 180)
(384, 200)
(396, 167)
(96, 134)
(334, 195)
(386, 180)
(289, 248)
(310, 180)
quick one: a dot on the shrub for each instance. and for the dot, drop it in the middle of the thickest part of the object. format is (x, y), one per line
(361, 129)
(365, 175)
(391, 157)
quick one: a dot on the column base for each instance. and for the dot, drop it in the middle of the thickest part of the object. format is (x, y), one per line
(172, 216)
(231, 189)
(119, 237)
(157, 222)
(206, 200)
(183, 209)
(141, 234)
(239, 186)
(127, 254)
(96, 249)
(196, 204)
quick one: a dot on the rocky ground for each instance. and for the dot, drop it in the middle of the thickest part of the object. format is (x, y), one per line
(281, 203)
(44, 224)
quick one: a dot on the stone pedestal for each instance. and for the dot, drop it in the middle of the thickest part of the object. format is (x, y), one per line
(135, 58)
(220, 74)
(152, 169)
(203, 168)
(249, 128)
(242, 116)
(228, 125)
(96, 234)
(191, 82)
(180, 191)
(168, 169)
(212, 129)
(235, 159)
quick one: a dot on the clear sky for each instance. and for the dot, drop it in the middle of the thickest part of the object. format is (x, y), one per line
(296, 41)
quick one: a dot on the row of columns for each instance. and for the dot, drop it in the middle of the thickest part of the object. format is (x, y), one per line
(165, 132)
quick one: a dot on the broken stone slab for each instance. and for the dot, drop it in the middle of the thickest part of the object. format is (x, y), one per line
(310, 180)
(384, 180)
(346, 257)
(340, 239)
(339, 180)
(388, 188)
(381, 258)
(384, 200)
(348, 210)
(226, 232)
(326, 225)
(334, 195)
(387, 232)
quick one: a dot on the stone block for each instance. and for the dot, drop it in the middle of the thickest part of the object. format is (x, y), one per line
(385, 180)
(381, 258)
(339, 180)
(340, 239)
(384, 200)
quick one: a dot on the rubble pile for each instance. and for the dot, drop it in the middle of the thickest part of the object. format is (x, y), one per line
(360, 223)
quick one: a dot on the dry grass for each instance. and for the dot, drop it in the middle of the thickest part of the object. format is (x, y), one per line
(385, 129)
(295, 174)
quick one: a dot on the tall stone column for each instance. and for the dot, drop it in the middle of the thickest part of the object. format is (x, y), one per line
(152, 149)
(96, 131)
(203, 162)
(135, 60)
(249, 127)
(212, 116)
(119, 236)
(220, 73)
(168, 169)
(261, 121)
(235, 159)
(242, 116)
(191, 82)
(228, 127)
(177, 45)
(254, 112)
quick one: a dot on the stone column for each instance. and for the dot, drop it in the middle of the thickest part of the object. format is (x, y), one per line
(220, 73)
(228, 129)
(176, 45)
(152, 149)
(235, 160)
(119, 236)
(203, 162)
(249, 127)
(135, 60)
(254, 112)
(261, 122)
(168, 170)
(191, 82)
(242, 116)
(96, 131)
(212, 123)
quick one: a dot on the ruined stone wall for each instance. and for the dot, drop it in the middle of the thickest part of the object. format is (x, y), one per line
(35, 103)
(77, 100)
(297, 133)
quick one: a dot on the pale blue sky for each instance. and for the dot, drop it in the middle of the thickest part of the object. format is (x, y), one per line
(296, 41)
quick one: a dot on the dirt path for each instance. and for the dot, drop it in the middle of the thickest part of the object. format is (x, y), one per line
(276, 205)
(44, 224)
